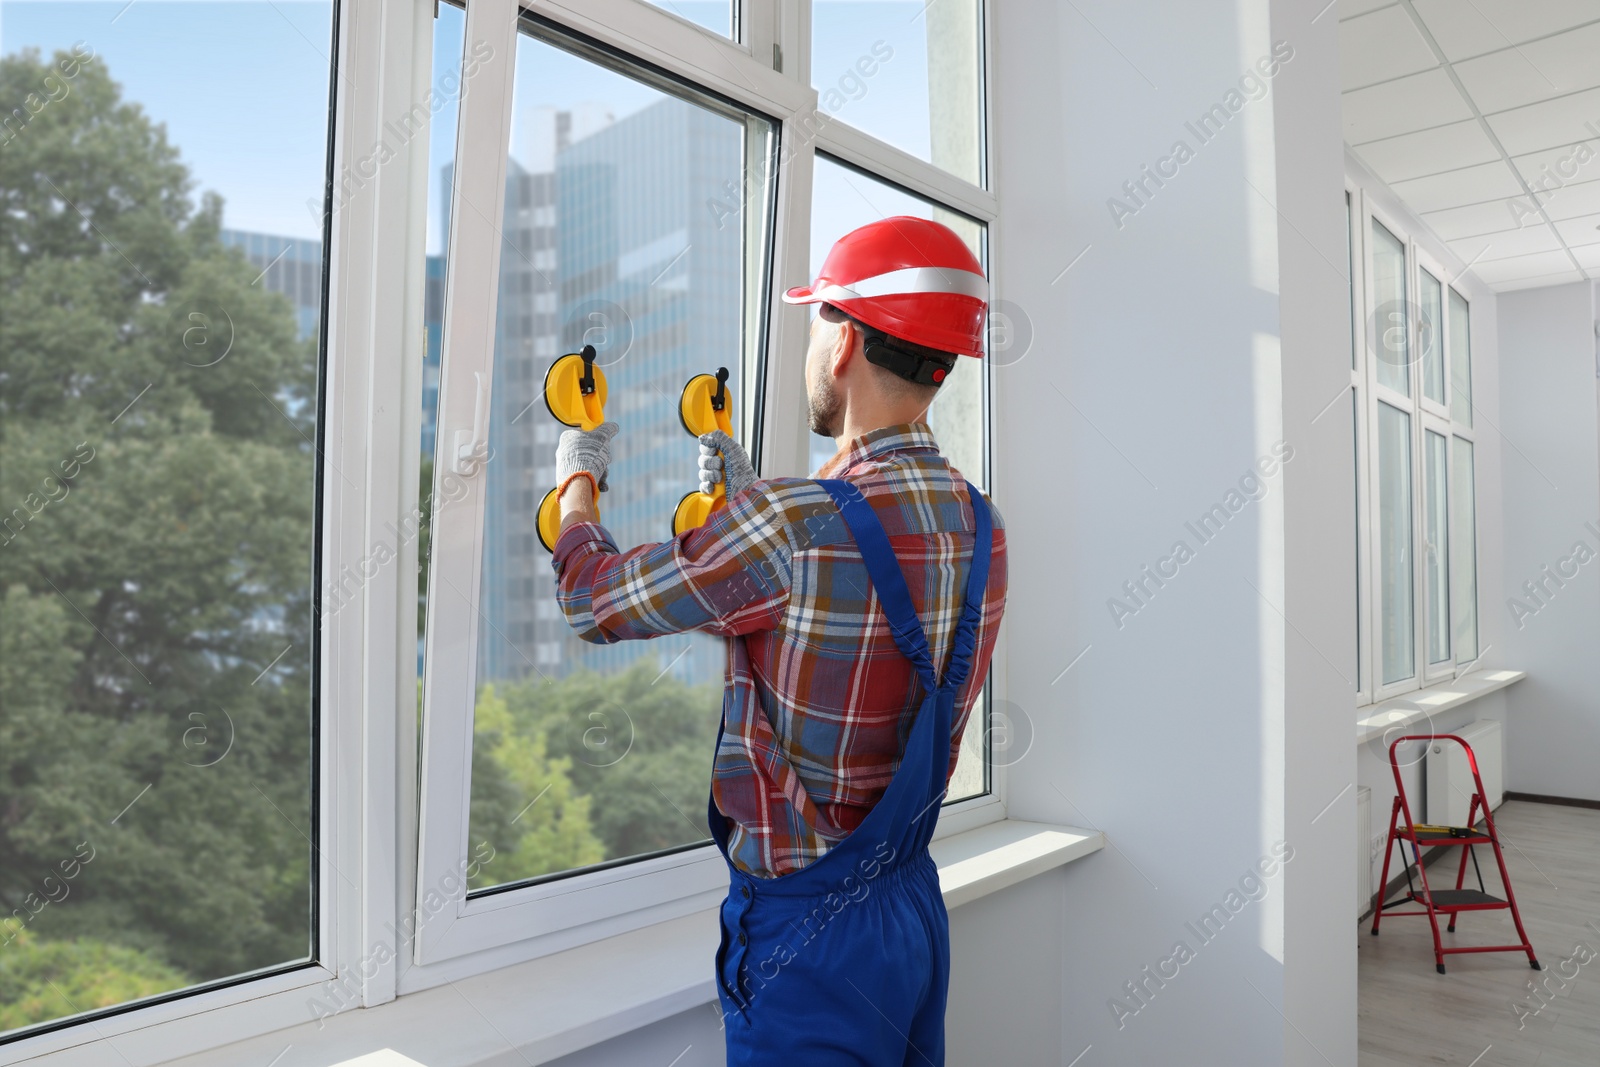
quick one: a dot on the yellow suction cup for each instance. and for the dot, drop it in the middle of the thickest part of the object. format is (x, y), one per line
(549, 520)
(703, 406)
(575, 394)
(575, 390)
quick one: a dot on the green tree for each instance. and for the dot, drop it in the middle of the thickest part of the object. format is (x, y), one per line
(639, 745)
(43, 980)
(523, 801)
(157, 486)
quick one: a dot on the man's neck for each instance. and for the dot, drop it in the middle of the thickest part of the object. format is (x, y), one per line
(858, 426)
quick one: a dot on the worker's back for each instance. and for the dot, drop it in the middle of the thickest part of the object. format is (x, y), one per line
(820, 699)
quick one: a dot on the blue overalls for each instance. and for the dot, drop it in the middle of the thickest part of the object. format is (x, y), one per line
(847, 961)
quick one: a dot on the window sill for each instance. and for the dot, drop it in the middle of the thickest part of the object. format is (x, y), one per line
(601, 990)
(1377, 720)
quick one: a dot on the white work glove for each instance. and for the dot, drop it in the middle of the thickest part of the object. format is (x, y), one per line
(585, 451)
(733, 464)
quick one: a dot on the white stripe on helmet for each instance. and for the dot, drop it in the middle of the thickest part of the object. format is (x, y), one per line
(907, 282)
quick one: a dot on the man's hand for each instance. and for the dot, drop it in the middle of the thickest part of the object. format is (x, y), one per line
(585, 452)
(733, 465)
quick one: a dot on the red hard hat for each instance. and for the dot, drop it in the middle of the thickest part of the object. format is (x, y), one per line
(911, 278)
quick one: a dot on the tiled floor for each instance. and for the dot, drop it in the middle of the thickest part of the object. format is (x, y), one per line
(1484, 1011)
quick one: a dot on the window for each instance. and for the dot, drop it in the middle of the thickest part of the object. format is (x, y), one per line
(1464, 537)
(1391, 314)
(602, 756)
(1394, 541)
(652, 247)
(905, 71)
(159, 478)
(392, 780)
(1460, 361)
(1416, 542)
(1436, 542)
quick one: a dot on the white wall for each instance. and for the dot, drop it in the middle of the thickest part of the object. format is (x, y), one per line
(1204, 728)
(1552, 505)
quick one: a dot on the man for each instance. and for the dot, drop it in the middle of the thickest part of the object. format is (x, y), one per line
(840, 600)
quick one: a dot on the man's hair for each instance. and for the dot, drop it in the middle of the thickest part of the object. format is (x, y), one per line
(898, 381)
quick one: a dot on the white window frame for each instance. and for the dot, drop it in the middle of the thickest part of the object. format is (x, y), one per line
(1425, 416)
(374, 814)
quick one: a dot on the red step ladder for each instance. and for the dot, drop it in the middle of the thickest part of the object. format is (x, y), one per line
(1450, 902)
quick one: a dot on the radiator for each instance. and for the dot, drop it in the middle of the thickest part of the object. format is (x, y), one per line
(1363, 851)
(1450, 786)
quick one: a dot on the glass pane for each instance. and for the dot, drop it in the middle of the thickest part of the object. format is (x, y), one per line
(1389, 325)
(1355, 449)
(1430, 327)
(588, 753)
(1460, 360)
(161, 301)
(1464, 533)
(1350, 265)
(843, 199)
(1436, 536)
(449, 45)
(907, 72)
(1394, 542)
(715, 15)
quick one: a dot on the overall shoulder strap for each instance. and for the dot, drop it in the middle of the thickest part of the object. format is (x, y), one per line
(977, 581)
(887, 578)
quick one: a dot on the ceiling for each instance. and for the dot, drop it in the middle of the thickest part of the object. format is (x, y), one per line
(1484, 117)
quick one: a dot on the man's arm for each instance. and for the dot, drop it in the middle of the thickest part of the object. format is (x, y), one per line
(577, 504)
(730, 576)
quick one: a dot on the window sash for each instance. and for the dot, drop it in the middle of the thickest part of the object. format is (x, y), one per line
(1433, 557)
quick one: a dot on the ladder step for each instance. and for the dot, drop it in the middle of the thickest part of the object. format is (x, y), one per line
(1458, 898)
(1435, 837)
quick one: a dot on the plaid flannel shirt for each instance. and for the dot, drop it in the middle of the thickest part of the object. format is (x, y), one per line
(819, 700)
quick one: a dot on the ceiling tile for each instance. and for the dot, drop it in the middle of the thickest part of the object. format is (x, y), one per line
(1564, 120)
(1529, 266)
(1351, 8)
(1588, 256)
(1411, 155)
(1532, 72)
(1478, 26)
(1540, 282)
(1381, 46)
(1491, 246)
(1555, 167)
(1405, 105)
(1458, 222)
(1585, 229)
(1469, 185)
(1572, 201)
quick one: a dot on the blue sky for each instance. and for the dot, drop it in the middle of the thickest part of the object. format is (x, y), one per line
(242, 86)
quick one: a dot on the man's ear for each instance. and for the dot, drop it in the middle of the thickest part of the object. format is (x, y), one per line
(844, 347)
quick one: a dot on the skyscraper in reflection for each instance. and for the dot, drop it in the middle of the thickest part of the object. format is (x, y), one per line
(613, 237)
